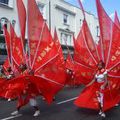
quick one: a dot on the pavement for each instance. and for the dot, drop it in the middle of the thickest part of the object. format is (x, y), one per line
(61, 109)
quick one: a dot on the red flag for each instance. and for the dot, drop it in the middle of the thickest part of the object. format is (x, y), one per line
(6, 64)
(105, 31)
(55, 73)
(16, 47)
(58, 46)
(114, 57)
(110, 35)
(46, 50)
(116, 20)
(7, 40)
(35, 28)
(22, 18)
(80, 45)
(69, 62)
(90, 42)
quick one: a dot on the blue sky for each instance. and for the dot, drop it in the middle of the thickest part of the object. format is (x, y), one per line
(109, 5)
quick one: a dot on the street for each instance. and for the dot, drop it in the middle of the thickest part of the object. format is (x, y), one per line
(61, 109)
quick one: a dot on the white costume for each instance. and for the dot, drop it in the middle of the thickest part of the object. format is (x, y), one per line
(100, 78)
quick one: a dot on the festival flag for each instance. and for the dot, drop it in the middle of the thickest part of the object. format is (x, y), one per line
(80, 45)
(54, 73)
(6, 64)
(69, 62)
(7, 41)
(90, 42)
(110, 35)
(116, 20)
(114, 57)
(22, 19)
(46, 50)
(105, 32)
(16, 47)
(35, 29)
(58, 45)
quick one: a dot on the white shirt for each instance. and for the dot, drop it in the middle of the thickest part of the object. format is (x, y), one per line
(101, 77)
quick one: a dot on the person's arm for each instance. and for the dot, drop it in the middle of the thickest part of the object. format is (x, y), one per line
(89, 84)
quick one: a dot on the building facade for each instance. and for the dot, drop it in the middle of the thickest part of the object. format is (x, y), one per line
(59, 14)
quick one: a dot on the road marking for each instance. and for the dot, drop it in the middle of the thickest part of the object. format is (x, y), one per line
(65, 101)
(11, 117)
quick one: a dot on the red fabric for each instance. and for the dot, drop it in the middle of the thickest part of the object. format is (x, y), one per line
(105, 31)
(15, 87)
(2, 81)
(22, 18)
(6, 64)
(69, 62)
(80, 45)
(109, 52)
(16, 50)
(114, 56)
(7, 41)
(88, 97)
(55, 73)
(83, 74)
(46, 49)
(35, 26)
(90, 42)
(116, 20)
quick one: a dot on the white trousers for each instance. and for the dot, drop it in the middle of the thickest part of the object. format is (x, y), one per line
(100, 99)
(33, 102)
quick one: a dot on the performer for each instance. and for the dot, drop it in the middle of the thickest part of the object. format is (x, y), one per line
(101, 79)
(93, 95)
(29, 93)
(10, 73)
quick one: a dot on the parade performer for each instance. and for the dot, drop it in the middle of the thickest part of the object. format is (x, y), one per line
(44, 58)
(100, 83)
(99, 64)
(30, 93)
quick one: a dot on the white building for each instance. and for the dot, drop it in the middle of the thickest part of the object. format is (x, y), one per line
(65, 17)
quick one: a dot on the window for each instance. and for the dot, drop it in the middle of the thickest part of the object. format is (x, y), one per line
(4, 1)
(65, 19)
(98, 31)
(66, 39)
(2, 46)
(80, 22)
(3, 21)
(13, 23)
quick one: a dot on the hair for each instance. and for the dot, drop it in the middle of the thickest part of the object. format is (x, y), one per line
(9, 69)
(23, 67)
(102, 63)
(2, 71)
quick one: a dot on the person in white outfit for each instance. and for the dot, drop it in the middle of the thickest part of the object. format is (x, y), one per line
(101, 79)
